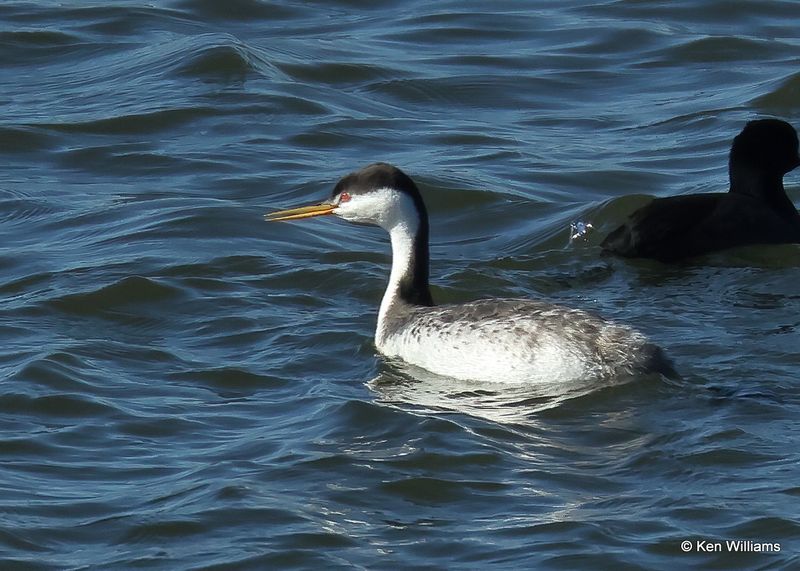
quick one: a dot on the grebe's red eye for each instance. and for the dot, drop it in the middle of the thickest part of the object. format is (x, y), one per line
(344, 197)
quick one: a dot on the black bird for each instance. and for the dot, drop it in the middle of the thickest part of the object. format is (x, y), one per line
(756, 210)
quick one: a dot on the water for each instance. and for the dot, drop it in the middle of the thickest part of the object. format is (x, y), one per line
(187, 387)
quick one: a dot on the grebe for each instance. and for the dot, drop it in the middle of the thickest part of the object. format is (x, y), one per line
(756, 210)
(491, 340)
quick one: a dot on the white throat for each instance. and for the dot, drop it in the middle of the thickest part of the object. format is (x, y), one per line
(402, 223)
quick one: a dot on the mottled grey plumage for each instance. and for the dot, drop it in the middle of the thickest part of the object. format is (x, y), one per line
(537, 342)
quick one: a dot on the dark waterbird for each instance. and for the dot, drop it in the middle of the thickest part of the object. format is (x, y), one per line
(491, 340)
(756, 210)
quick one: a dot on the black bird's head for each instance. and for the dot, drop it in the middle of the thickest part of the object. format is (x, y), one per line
(766, 145)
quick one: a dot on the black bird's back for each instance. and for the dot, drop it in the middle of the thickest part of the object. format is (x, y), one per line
(677, 227)
(756, 210)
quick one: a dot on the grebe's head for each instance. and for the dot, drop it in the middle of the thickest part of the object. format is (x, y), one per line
(379, 194)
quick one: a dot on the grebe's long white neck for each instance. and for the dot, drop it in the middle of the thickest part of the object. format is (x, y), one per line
(408, 280)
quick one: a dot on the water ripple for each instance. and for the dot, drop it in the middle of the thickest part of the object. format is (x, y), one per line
(16, 206)
(128, 291)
